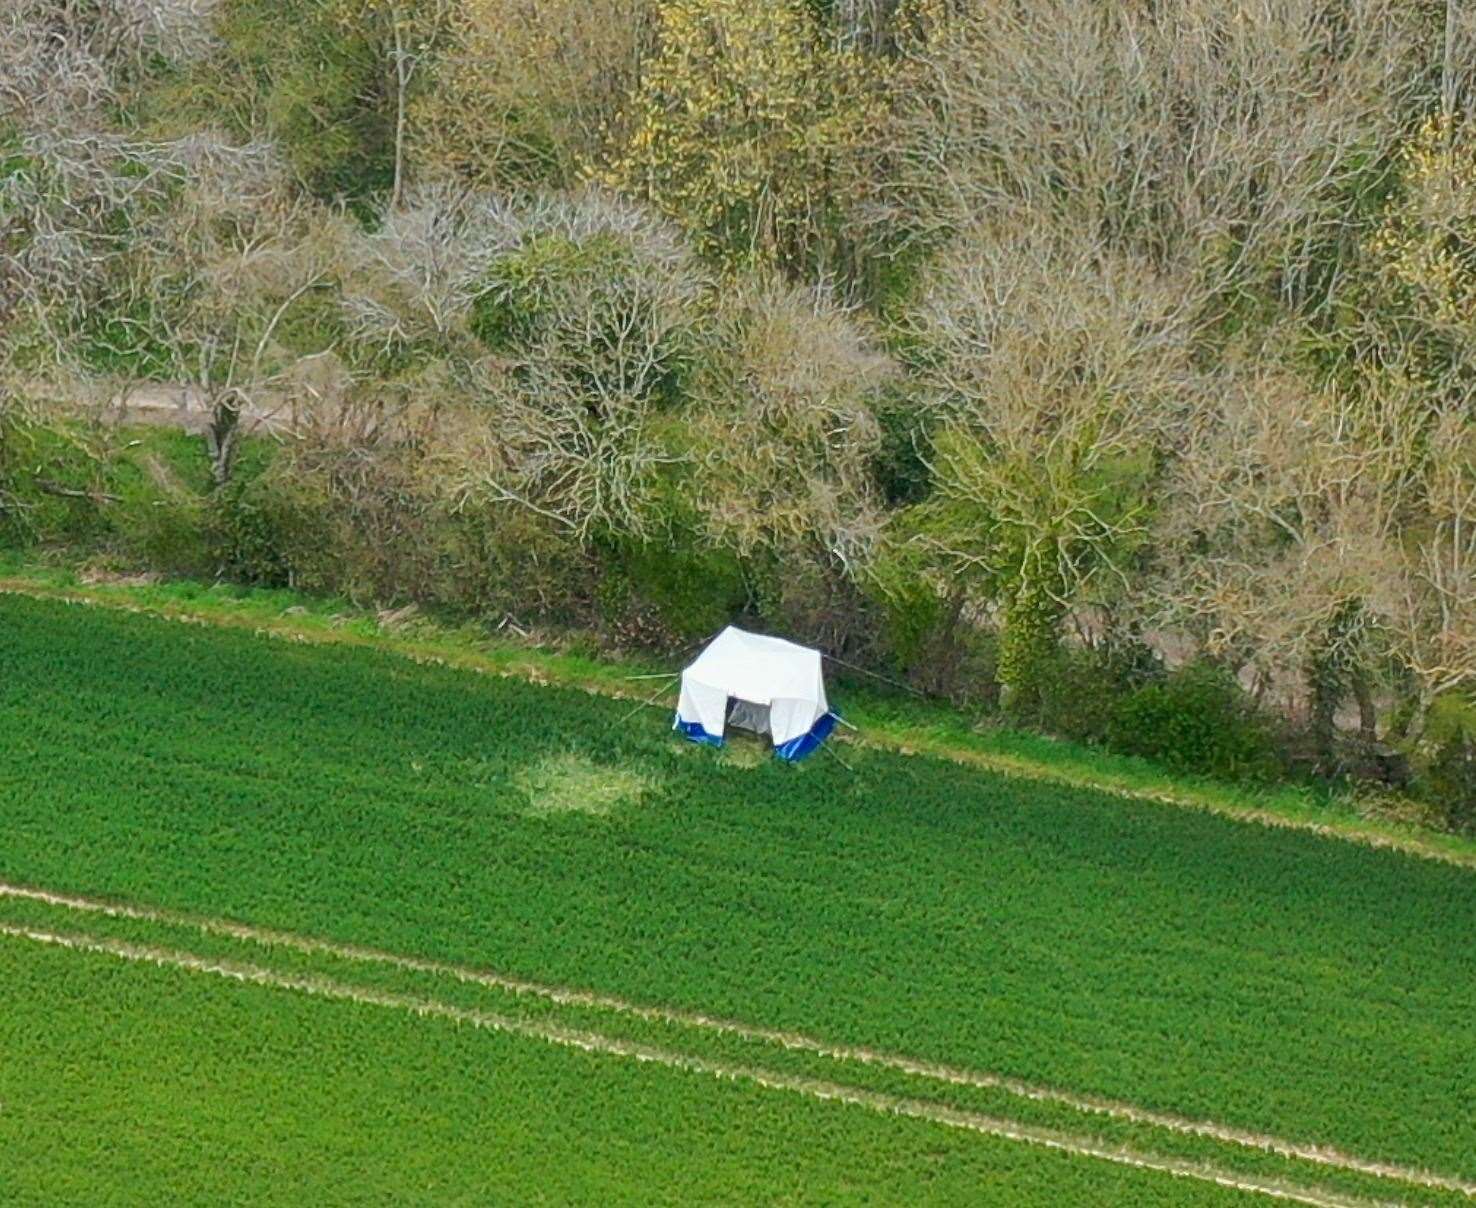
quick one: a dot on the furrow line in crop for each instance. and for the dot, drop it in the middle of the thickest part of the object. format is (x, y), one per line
(594, 1042)
(571, 996)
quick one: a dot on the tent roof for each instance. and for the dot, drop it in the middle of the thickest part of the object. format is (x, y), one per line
(758, 668)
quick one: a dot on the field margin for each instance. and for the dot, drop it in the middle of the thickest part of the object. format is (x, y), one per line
(290, 617)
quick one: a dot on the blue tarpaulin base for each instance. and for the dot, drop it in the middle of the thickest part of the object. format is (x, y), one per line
(694, 731)
(798, 748)
(791, 751)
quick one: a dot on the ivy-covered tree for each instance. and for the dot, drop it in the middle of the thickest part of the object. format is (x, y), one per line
(1051, 373)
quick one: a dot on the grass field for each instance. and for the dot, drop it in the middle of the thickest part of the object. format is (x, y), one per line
(1189, 969)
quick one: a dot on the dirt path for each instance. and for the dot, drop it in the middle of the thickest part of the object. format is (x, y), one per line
(594, 1042)
(569, 996)
(185, 406)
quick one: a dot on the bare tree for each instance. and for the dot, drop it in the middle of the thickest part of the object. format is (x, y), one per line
(407, 34)
(784, 434)
(1437, 615)
(178, 257)
(1222, 140)
(415, 279)
(63, 59)
(82, 207)
(1280, 540)
(563, 324)
(209, 279)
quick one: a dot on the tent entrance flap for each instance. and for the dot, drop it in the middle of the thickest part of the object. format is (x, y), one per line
(746, 715)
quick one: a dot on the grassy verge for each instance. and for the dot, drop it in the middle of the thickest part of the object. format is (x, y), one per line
(1267, 979)
(888, 722)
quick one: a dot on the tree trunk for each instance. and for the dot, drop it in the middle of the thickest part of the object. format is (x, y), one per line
(402, 83)
(941, 676)
(1325, 689)
(1368, 716)
(1447, 70)
(1030, 635)
(221, 435)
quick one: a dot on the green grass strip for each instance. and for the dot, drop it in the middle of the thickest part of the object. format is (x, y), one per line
(904, 727)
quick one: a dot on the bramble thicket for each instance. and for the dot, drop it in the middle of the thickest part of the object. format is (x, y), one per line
(1108, 370)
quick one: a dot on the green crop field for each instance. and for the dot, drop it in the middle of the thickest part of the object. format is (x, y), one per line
(141, 1085)
(1209, 1001)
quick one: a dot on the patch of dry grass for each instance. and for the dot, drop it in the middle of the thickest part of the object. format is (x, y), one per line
(745, 751)
(569, 783)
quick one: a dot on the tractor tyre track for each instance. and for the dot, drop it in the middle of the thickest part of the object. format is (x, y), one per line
(1322, 1155)
(596, 1043)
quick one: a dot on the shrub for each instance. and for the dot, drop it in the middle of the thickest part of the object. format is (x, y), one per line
(1196, 719)
(1446, 774)
(13, 528)
(53, 484)
(165, 526)
(804, 593)
(685, 591)
(900, 464)
(497, 561)
(1081, 690)
(158, 513)
(247, 530)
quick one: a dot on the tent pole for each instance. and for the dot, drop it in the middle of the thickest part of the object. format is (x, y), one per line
(886, 679)
(649, 701)
(824, 746)
(670, 674)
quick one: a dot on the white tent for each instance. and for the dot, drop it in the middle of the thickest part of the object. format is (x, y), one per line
(757, 683)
